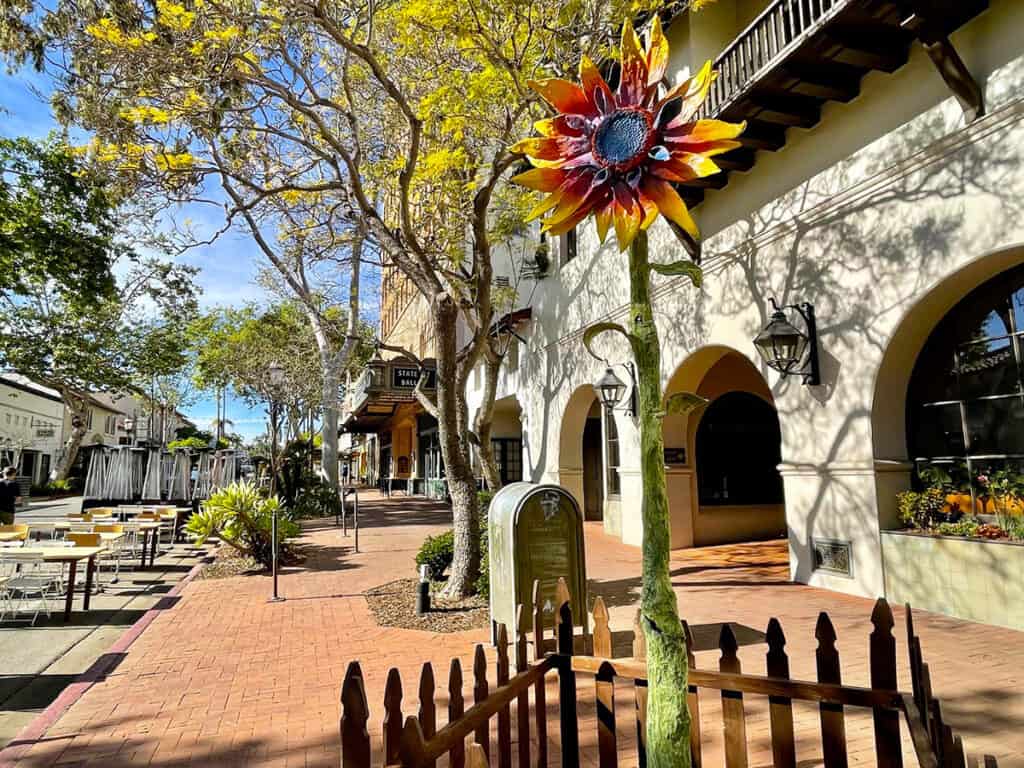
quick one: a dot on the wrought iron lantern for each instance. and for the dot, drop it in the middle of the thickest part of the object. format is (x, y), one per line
(610, 389)
(787, 349)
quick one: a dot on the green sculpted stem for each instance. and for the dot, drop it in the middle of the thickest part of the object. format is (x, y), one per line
(668, 720)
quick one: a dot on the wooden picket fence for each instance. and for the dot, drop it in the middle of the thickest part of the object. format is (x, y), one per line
(416, 742)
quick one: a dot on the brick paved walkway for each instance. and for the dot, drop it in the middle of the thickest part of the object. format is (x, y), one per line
(226, 678)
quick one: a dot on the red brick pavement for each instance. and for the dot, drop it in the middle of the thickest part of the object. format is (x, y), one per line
(225, 678)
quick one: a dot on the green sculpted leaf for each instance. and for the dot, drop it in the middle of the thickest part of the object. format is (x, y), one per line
(598, 328)
(681, 403)
(684, 267)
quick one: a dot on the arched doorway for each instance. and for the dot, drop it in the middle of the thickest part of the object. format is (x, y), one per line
(723, 479)
(581, 457)
(738, 448)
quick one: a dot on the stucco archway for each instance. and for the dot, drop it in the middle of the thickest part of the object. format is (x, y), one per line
(715, 372)
(580, 465)
(889, 399)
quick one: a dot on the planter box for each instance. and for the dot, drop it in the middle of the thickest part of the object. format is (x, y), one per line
(973, 579)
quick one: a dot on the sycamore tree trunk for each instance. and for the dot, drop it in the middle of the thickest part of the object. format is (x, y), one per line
(485, 419)
(668, 719)
(78, 408)
(329, 446)
(453, 427)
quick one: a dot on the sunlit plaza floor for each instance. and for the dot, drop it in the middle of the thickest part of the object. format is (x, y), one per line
(226, 678)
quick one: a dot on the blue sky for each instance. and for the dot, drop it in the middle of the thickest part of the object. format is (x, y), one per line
(228, 267)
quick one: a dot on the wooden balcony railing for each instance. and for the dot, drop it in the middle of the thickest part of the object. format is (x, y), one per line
(768, 40)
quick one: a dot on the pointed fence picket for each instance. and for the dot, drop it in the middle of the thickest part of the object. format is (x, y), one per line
(465, 740)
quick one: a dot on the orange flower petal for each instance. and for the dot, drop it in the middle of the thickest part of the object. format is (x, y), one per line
(557, 126)
(708, 148)
(566, 97)
(657, 53)
(673, 169)
(650, 209)
(541, 179)
(564, 226)
(693, 92)
(670, 204)
(701, 164)
(551, 147)
(545, 205)
(704, 130)
(603, 220)
(627, 215)
(592, 81)
(633, 79)
(574, 193)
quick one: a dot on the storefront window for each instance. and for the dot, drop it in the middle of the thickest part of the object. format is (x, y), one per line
(611, 438)
(965, 410)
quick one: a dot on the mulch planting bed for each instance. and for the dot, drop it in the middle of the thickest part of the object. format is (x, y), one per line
(227, 562)
(394, 605)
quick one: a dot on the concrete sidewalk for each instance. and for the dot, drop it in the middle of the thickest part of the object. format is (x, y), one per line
(227, 678)
(38, 662)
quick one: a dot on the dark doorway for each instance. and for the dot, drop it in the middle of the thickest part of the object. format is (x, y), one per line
(508, 453)
(593, 471)
(739, 447)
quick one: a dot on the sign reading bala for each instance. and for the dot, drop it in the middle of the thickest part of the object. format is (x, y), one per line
(535, 532)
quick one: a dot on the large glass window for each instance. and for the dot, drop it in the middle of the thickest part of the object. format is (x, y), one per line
(965, 402)
(611, 440)
(739, 447)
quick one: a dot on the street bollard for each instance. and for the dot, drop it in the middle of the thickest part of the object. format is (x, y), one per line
(423, 595)
(273, 543)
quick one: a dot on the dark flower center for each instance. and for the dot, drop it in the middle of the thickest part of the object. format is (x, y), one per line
(623, 138)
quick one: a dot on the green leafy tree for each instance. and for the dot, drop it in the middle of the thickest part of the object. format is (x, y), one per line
(389, 123)
(57, 223)
(105, 345)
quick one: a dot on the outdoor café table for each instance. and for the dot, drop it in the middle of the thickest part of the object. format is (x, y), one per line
(72, 556)
(146, 527)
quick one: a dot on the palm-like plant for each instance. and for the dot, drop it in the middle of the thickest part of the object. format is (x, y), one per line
(242, 517)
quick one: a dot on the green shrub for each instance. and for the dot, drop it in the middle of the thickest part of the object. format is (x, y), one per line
(437, 553)
(1013, 525)
(316, 499)
(968, 526)
(924, 509)
(240, 516)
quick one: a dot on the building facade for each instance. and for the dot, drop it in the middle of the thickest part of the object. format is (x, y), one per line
(31, 428)
(864, 187)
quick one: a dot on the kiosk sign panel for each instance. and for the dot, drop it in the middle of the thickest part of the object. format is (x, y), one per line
(536, 533)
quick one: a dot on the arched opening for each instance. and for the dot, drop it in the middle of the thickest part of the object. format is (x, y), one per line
(738, 450)
(581, 456)
(908, 425)
(507, 439)
(722, 460)
(965, 400)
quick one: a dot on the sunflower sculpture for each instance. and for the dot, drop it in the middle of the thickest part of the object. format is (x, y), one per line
(616, 154)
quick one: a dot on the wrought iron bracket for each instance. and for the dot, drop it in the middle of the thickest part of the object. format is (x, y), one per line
(922, 22)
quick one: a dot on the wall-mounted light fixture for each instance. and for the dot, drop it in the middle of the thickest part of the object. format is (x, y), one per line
(610, 389)
(787, 349)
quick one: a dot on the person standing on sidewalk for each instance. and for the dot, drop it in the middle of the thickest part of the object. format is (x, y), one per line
(10, 495)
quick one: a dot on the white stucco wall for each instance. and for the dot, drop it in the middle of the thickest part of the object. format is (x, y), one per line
(883, 216)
